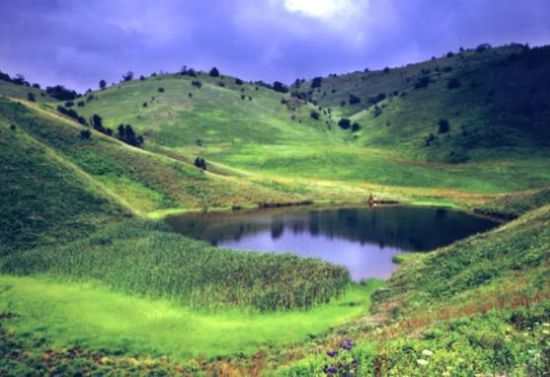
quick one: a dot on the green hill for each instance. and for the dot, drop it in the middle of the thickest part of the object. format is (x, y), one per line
(78, 199)
(493, 100)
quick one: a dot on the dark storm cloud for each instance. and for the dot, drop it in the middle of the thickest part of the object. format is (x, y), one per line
(77, 43)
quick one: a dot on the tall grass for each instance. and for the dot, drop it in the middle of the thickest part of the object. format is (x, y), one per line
(147, 259)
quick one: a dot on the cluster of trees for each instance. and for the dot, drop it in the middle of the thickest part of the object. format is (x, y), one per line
(280, 87)
(61, 93)
(97, 124)
(17, 80)
(71, 114)
(127, 134)
(188, 71)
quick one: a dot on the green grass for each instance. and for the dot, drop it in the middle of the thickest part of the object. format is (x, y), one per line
(166, 264)
(95, 317)
(43, 199)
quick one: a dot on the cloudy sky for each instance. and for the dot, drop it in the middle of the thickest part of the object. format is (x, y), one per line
(77, 42)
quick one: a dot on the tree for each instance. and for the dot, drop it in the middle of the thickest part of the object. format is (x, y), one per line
(97, 123)
(200, 163)
(355, 127)
(102, 84)
(31, 97)
(60, 93)
(444, 126)
(214, 72)
(129, 76)
(316, 83)
(344, 123)
(280, 87)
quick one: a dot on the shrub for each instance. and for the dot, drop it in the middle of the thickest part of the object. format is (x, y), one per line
(314, 114)
(444, 126)
(422, 82)
(239, 82)
(453, 83)
(31, 97)
(161, 90)
(85, 135)
(197, 84)
(355, 127)
(354, 100)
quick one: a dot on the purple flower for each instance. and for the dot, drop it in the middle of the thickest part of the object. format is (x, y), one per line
(332, 369)
(332, 353)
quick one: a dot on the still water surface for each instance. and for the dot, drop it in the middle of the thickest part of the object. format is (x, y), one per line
(364, 240)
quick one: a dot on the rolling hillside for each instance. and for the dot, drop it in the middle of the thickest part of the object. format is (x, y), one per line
(91, 280)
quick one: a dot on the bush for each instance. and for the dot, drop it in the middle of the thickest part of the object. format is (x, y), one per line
(85, 135)
(239, 82)
(161, 90)
(453, 83)
(444, 126)
(354, 100)
(31, 97)
(422, 82)
(314, 114)
(355, 127)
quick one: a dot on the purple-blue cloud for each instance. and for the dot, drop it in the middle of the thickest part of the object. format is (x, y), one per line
(77, 43)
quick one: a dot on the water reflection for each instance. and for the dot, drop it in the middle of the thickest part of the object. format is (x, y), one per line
(362, 239)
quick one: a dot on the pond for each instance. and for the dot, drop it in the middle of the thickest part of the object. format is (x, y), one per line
(364, 240)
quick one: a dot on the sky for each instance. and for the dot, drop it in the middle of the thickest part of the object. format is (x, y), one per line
(76, 43)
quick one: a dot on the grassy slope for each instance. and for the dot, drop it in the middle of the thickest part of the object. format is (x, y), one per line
(501, 103)
(259, 137)
(478, 306)
(44, 200)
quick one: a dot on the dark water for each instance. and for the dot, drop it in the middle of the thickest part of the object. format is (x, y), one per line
(364, 240)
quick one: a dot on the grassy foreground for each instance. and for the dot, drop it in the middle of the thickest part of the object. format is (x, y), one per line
(477, 307)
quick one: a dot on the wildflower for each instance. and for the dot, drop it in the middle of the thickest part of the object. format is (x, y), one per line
(546, 332)
(427, 353)
(422, 362)
(332, 369)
